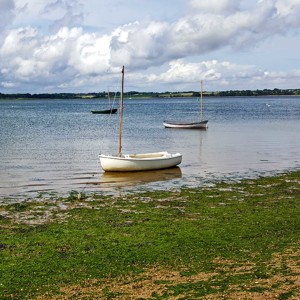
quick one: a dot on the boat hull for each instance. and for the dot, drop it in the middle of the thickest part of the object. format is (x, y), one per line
(186, 125)
(139, 162)
(105, 111)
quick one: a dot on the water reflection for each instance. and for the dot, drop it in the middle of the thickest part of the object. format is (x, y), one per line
(126, 179)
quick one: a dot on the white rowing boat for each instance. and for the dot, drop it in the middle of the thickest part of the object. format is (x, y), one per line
(201, 124)
(140, 162)
(137, 162)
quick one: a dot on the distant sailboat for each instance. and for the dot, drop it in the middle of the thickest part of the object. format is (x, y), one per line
(111, 110)
(105, 111)
(137, 162)
(202, 124)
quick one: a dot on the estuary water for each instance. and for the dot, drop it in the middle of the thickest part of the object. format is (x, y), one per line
(52, 146)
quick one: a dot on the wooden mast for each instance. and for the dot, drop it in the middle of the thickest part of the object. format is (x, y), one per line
(201, 96)
(121, 114)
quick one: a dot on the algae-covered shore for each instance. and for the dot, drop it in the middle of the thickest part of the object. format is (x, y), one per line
(230, 241)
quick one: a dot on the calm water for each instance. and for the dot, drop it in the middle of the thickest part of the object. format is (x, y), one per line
(53, 145)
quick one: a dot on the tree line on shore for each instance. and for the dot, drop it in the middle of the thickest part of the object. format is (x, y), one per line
(135, 94)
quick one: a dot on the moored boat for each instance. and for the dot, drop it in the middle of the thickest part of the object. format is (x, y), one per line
(186, 125)
(105, 111)
(136, 162)
(140, 162)
(201, 124)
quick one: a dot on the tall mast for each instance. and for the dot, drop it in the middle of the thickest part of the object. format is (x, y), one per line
(121, 114)
(201, 96)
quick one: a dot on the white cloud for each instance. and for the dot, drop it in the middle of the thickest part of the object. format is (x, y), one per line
(58, 53)
(219, 75)
(20, 42)
(139, 46)
(180, 71)
(196, 34)
(91, 54)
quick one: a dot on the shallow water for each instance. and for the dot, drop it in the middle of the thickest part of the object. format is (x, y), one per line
(53, 145)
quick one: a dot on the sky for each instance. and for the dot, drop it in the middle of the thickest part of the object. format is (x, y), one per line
(80, 46)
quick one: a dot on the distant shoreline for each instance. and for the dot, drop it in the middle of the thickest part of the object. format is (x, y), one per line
(135, 94)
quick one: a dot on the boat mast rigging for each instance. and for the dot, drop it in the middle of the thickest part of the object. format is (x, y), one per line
(121, 115)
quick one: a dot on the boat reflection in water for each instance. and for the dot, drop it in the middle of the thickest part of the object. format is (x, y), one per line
(126, 179)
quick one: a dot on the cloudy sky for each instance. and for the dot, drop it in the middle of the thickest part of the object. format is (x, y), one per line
(165, 45)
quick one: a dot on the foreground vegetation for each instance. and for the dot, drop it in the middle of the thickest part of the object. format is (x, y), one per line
(230, 241)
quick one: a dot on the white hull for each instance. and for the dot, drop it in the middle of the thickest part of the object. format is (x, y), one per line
(186, 125)
(139, 162)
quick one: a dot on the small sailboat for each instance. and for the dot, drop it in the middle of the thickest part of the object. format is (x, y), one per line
(202, 124)
(111, 110)
(136, 162)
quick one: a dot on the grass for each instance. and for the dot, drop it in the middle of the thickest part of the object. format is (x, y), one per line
(231, 240)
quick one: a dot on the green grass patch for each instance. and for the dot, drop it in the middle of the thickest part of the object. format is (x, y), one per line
(230, 232)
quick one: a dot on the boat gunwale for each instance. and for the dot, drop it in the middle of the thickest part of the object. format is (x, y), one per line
(128, 157)
(185, 123)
